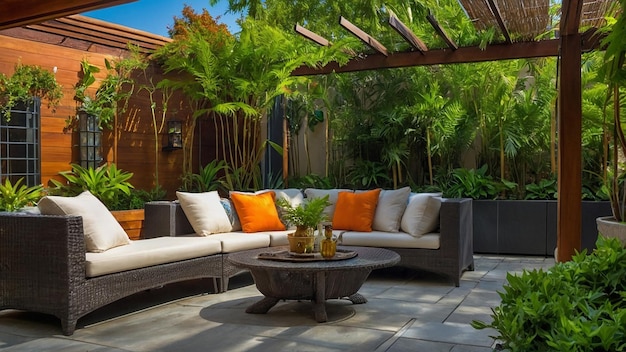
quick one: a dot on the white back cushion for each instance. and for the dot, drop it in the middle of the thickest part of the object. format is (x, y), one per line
(101, 230)
(389, 210)
(205, 212)
(421, 215)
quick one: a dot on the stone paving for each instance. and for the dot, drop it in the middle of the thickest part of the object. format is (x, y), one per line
(406, 311)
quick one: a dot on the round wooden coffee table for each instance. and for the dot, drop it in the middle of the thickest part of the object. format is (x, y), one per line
(316, 280)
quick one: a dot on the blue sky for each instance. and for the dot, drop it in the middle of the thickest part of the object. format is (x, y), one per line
(155, 16)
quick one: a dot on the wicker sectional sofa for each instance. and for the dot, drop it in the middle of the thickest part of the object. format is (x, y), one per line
(46, 264)
(448, 251)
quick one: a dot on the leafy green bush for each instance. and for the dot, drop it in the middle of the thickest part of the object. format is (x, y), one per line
(16, 196)
(107, 183)
(545, 189)
(367, 174)
(475, 184)
(311, 181)
(207, 179)
(578, 305)
(138, 197)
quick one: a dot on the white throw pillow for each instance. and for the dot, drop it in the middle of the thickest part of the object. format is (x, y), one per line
(332, 194)
(389, 210)
(421, 215)
(205, 212)
(101, 230)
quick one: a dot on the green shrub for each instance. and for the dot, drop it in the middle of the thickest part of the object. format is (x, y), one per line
(545, 189)
(16, 196)
(107, 183)
(475, 184)
(208, 179)
(578, 305)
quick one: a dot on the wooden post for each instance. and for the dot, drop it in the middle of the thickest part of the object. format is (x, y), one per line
(569, 209)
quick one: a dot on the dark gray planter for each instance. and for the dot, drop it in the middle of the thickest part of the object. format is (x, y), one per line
(527, 227)
(485, 226)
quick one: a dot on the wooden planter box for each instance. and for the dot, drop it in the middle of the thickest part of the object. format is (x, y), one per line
(131, 221)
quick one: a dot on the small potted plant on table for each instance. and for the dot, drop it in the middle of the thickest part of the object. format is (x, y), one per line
(305, 217)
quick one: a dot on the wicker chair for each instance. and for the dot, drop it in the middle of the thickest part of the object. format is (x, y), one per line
(42, 269)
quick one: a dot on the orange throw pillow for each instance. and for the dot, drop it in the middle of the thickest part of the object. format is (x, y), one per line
(257, 212)
(355, 211)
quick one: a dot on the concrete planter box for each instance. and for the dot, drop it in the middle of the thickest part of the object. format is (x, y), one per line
(527, 227)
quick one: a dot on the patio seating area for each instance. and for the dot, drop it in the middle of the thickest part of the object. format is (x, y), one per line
(407, 310)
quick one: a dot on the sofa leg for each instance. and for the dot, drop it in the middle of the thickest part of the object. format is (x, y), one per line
(224, 286)
(68, 326)
(216, 286)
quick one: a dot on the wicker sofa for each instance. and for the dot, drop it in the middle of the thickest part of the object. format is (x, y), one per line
(45, 267)
(452, 254)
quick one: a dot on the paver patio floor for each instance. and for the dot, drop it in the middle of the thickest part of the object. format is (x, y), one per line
(407, 310)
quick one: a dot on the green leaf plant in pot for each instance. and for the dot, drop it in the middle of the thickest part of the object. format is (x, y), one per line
(28, 81)
(614, 73)
(305, 217)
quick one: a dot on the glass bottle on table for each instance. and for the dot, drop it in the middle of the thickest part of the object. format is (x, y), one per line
(329, 245)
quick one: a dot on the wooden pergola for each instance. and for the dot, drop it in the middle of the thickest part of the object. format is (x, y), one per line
(16, 13)
(527, 19)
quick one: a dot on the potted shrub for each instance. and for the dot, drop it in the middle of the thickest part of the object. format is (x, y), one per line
(28, 81)
(305, 217)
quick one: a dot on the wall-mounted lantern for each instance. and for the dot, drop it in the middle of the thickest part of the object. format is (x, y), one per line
(89, 141)
(174, 135)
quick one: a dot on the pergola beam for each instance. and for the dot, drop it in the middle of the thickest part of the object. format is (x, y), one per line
(365, 38)
(441, 32)
(316, 38)
(406, 33)
(16, 13)
(495, 10)
(441, 56)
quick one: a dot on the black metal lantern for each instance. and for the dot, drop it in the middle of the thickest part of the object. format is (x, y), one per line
(174, 135)
(89, 141)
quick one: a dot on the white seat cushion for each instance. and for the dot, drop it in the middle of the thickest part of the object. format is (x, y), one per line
(240, 241)
(278, 238)
(102, 231)
(390, 240)
(153, 251)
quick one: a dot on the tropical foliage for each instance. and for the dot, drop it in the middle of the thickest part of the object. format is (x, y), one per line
(107, 183)
(578, 305)
(27, 82)
(15, 196)
(427, 127)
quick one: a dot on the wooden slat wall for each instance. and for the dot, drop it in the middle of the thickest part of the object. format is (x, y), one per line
(136, 141)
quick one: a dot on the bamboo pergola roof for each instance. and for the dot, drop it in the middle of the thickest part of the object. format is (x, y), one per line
(524, 25)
